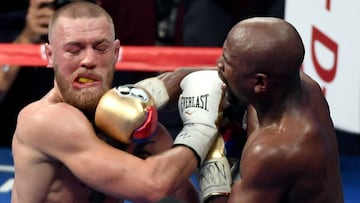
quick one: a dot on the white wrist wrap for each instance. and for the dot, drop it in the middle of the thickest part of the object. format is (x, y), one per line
(215, 178)
(156, 89)
(198, 137)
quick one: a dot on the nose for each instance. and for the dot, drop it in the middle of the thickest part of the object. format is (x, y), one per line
(89, 58)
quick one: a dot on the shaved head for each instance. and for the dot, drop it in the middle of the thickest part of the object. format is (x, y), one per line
(265, 44)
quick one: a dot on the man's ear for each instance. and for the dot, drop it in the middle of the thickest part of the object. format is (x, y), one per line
(118, 51)
(262, 82)
(48, 54)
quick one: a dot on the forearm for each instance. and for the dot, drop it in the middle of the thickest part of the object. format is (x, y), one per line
(158, 176)
(25, 38)
(173, 168)
(172, 81)
(28, 36)
(7, 76)
(8, 72)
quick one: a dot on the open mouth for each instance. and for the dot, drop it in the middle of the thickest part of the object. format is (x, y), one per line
(85, 80)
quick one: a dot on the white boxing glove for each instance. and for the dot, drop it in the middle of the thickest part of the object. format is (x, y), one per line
(199, 105)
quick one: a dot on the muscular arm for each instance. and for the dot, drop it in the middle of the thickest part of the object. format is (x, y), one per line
(172, 81)
(70, 138)
(268, 167)
(159, 143)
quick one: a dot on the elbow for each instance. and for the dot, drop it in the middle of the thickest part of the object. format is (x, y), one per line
(159, 190)
(163, 190)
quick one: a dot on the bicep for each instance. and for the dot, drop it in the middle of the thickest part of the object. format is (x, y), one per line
(101, 166)
(265, 173)
(70, 139)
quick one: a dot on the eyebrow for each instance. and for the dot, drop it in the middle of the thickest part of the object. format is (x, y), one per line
(79, 43)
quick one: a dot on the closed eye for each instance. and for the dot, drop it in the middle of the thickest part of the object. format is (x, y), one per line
(73, 48)
(102, 48)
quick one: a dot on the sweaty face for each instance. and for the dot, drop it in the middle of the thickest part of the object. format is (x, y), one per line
(230, 73)
(84, 54)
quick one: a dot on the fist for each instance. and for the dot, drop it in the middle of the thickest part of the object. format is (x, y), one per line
(127, 114)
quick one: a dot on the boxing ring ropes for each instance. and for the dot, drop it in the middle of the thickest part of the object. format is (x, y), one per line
(132, 58)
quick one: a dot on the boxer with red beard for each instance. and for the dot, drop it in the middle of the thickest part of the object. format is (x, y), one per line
(59, 149)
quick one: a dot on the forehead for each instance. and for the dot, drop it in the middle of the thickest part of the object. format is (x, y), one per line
(82, 27)
(231, 53)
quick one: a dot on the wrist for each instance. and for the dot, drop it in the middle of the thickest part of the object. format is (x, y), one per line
(198, 137)
(156, 89)
(27, 38)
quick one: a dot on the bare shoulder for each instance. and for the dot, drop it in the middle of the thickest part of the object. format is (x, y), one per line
(273, 158)
(311, 84)
(43, 124)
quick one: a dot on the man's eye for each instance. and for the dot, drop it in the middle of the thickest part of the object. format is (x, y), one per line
(102, 48)
(73, 50)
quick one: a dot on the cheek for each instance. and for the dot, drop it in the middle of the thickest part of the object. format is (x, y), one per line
(65, 69)
(107, 63)
(107, 75)
(109, 60)
(235, 84)
(65, 63)
(229, 75)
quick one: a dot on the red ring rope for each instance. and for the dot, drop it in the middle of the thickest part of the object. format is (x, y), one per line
(132, 58)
